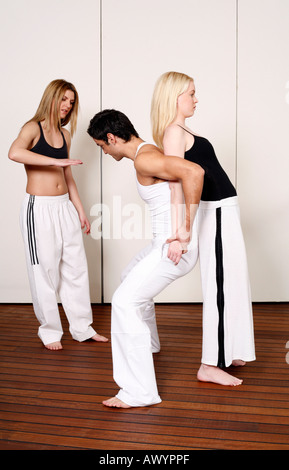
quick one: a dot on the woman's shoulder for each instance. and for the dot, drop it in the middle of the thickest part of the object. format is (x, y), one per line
(174, 140)
(30, 130)
(67, 135)
(173, 129)
(176, 131)
(31, 126)
(65, 132)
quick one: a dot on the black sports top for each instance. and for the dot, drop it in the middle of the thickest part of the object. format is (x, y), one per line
(43, 148)
(217, 185)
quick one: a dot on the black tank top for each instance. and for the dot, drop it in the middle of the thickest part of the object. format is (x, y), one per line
(43, 148)
(217, 185)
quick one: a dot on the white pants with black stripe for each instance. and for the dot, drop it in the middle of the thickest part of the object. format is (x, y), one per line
(57, 266)
(134, 333)
(228, 332)
(227, 311)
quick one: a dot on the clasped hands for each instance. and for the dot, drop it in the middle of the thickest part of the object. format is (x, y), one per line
(178, 244)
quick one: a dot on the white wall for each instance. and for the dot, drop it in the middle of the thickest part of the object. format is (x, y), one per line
(263, 143)
(114, 51)
(197, 38)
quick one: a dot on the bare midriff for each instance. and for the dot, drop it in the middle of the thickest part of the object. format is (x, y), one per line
(45, 181)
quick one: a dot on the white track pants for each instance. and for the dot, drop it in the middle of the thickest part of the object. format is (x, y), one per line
(133, 327)
(150, 313)
(228, 332)
(227, 310)
(57, 265)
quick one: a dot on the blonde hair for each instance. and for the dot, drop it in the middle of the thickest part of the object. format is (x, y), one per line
(164, 102)
(50, 103)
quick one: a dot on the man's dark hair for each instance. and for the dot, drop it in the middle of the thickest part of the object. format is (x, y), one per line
(113, 122)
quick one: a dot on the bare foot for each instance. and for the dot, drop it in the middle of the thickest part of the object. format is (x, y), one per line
(54, 346)
(115, 403)
(238, 362)
(99, 338)
(214, 374)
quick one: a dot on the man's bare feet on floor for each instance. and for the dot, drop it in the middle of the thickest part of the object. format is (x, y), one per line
(115, 402)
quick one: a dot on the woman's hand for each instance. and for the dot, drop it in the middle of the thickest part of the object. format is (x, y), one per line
(63, 162)
(85, 224)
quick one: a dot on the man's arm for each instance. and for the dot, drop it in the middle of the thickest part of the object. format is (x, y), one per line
(155, 164)
(174, 143)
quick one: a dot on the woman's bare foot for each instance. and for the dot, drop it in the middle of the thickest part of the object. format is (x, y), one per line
(216, 375)
(99, 338)
(238, 362)
(54, 346)
(115, 403)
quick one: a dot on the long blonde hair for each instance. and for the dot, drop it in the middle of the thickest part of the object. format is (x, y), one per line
(164, 102)
(50, 102)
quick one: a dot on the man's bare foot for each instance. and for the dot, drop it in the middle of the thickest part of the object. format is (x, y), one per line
(238, 362)
(216, 375)
(115, 402)
(54, 346)
(99, 338)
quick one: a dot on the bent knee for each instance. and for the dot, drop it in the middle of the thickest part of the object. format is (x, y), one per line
(122, 299)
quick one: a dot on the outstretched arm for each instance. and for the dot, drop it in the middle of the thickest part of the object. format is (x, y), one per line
(19, 151)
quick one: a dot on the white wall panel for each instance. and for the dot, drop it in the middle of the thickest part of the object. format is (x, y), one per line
(142, 40)
(42, 41)
(263, 143)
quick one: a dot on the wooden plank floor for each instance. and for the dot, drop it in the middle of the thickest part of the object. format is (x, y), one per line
(52, 400)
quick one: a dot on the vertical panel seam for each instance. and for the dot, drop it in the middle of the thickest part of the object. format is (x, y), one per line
(101, 155)
(237, 92)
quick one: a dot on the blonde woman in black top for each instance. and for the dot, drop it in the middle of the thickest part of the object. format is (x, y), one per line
(228, 337)
(52, 217)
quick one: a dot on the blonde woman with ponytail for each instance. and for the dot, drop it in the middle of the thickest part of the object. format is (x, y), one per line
(52, 217)
(163, 108)
(228, 336)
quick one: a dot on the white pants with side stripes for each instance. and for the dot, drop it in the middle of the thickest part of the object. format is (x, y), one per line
(227, 311)
(228, 332)
(57, 266)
